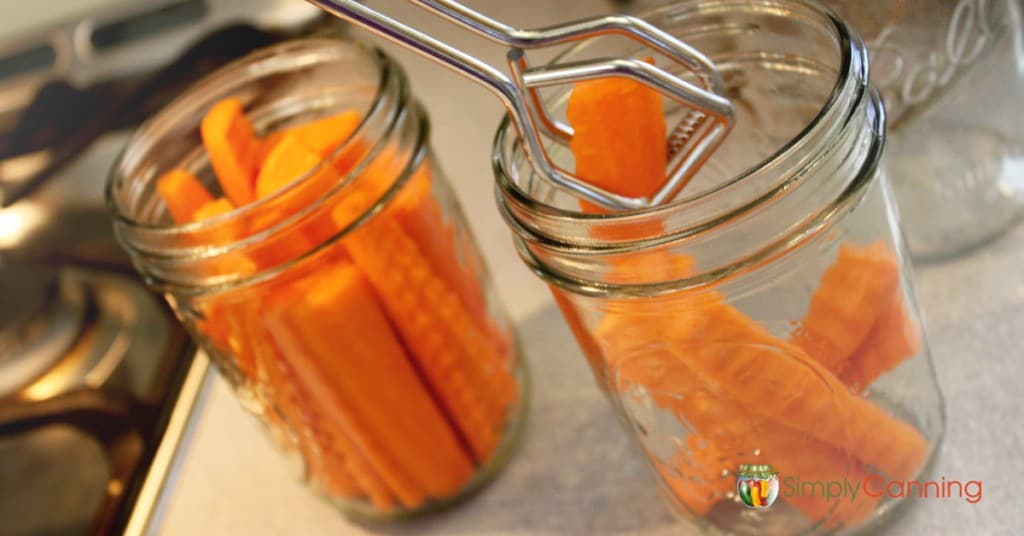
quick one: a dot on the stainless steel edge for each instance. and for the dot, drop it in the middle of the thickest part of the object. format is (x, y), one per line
(167, 461)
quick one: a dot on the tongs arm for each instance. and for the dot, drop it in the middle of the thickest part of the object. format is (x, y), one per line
(421, 43)
(633, 27)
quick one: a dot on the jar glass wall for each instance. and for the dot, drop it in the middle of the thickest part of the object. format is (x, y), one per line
(950, 73)
(767, 317)
(348, 305)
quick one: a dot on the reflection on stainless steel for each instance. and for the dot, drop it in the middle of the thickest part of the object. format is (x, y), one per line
(94, 352)
(41, 318)
(16, 223)
(123, 324)
(127, 37)
(20, 168)
(50, 454)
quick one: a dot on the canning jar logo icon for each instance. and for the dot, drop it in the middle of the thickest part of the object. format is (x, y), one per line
(757, 485)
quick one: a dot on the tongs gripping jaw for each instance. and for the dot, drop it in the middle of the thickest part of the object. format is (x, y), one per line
(702, 130)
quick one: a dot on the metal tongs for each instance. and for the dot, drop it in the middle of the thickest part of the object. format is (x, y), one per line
(708, 120)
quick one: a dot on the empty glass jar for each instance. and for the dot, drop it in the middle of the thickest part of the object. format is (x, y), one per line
(950, 73)
(766, 320)
(346, 303)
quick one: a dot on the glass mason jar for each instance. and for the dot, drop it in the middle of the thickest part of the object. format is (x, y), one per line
(350, 309)
(950, 73)
(767, 317)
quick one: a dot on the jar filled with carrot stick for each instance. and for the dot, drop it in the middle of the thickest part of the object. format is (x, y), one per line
(763, 319)
(290, 210)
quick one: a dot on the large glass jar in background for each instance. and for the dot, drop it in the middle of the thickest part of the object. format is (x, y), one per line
(767, 318)
(349, 309)
(951, 74)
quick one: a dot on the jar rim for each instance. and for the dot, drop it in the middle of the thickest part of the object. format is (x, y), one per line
(513, 200)
(248, 67)
(389, 107)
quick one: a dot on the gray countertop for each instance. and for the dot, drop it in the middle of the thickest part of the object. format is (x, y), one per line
(575, 471)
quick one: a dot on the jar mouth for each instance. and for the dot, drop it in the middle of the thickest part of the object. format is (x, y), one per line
(560, 229)
(283, 84)
(239, 73)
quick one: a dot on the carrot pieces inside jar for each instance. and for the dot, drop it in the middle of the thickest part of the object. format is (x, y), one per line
(377, 359)
(742, 394)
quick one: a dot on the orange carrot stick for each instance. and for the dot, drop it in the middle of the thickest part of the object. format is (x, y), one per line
(182, 193)
(754, 366)
(374, 374)
(473, 384)
(852, 294)
(325, 135)
(372, 461)
(290, 160)
(235, 325)
(450, 252)
(212, 208)
(894, 338)
(724, 433)
(725, 347)
(267, 146)
(322, 136)
(233, 149)
(619, 136)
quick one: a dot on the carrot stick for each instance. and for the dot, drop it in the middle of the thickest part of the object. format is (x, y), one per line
(267, 145)
(339, 408)
(325, 135)
(894, 338)
(182, 193)
(795, 454)
(233, 149)
(372, 372)
(422, 218)
(471, 381)
(290, 160)
(630, 336)
(740, 434)
(369, 463)
(235, 327)
(450, 252)
(322, 136)
(754, 367)
(212, 208)
(852, 294)
(619, 137)
(726, 348)
(331, 460)
(724, 433)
